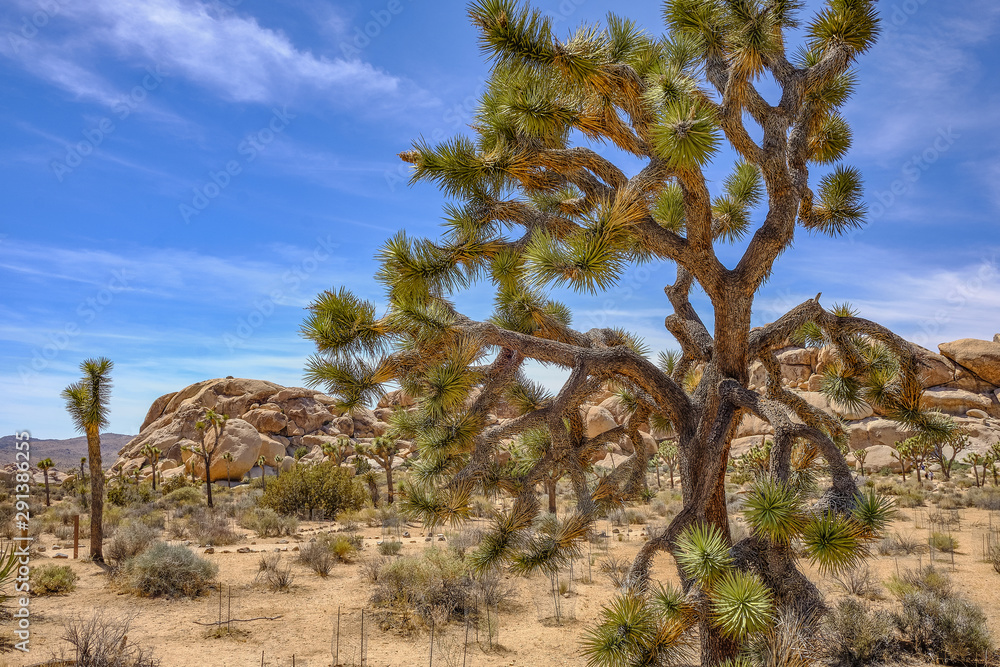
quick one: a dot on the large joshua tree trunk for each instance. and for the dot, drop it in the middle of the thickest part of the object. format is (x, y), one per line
(96, 494)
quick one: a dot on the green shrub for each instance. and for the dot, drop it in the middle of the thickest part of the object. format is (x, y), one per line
(166, 570)
(433, 584)
(943, 542)
(184, 495)
(935, 620)
(390, 548)
(985, 498)
(178, 482)
(268, 523)
(993, 556)
(325, 487)
(129, 540)
(52, 580)
(857, 635)
(125, 494)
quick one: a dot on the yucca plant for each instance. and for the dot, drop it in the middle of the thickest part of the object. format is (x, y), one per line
(533, 209)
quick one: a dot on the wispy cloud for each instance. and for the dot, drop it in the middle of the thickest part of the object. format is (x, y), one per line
(228, 53)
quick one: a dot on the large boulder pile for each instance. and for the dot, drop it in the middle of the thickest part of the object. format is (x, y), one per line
(265, 419)
(269, 420)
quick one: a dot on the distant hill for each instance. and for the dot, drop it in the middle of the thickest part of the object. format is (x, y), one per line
(65, 453)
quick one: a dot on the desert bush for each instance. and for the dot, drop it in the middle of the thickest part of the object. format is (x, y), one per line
(166, 570)
(943, 542)
(209, 527)
(63, 532)
(371, 568)
(937, 621)
(857, 635)
(944, 518)
(316, 556)
(183, 495)
(277, 579)
(179, 482)
(615, 569)
(129, 540)
(896, 544)
(464, 540)
(325, 487)
(434, 585)
(985, 498)
(858, 581)
(390, 548)
(102, 641)
(993, 556)
(791, 641)
(52, 580)
(125, 494)
(268, 523)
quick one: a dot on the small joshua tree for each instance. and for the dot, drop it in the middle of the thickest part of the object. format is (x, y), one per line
(943, 450)
(153, 454)
(667, 452)
(228, 458)
(45, 465)
(860, 455)
(383, 450)
(278, 458)
(217, 424)
(262, 463)
(363, 469)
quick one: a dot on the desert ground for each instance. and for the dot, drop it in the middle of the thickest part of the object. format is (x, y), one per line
(526, 629)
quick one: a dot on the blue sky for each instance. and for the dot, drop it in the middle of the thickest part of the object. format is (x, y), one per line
(181, 177)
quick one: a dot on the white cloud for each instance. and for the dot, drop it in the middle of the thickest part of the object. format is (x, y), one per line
(231, 54)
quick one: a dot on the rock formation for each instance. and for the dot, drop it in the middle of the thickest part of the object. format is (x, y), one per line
(270, 420)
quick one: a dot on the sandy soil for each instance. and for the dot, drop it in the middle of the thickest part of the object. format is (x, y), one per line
(528, 634)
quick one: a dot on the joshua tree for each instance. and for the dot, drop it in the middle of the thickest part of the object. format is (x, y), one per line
(278, 458)
(217, 424)
(535, 211)
(975, 460)
(667, 452)
(228, 458)
(860, 455)
(87, 403)
(45, 465)
(943, 450)
(363, 468)
(261, 463)
(153, 454)
(383, 450)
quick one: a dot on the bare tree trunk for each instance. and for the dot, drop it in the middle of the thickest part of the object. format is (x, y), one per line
(550, 487)
(208, 477)
(96, 495)
(46, 473)
(388, 480)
